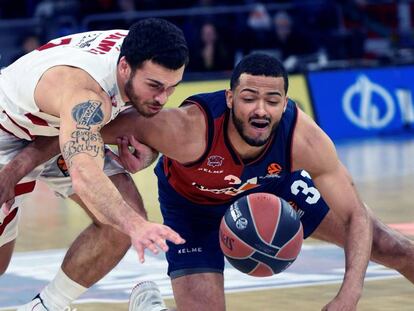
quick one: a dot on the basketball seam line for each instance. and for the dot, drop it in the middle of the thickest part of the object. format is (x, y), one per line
(254, 250)
(255, 227)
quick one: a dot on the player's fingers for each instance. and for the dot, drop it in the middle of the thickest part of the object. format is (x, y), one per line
(173, 236)
(161, 244)
(149, 244)
(140, 251)
(8, 205)
(119, 144)
(125, 145)
(135, 143)
(4, 210)
(153, 248)
(113, 156)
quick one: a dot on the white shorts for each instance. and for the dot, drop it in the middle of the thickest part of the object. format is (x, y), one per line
(52, 172)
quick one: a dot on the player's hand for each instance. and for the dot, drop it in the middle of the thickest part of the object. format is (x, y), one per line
(133, 155)
(153, 236)
(341, 304)
(7, 185)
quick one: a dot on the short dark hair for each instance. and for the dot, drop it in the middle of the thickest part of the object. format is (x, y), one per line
(157, 40)
(259, 64)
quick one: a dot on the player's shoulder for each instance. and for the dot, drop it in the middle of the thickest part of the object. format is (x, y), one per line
(208, 97)
(88, 37)
(310, 143)
(70, 78)
(68, 82)
(213, 103)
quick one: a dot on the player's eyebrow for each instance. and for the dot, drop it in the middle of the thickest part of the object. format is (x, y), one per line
(271, 93)
(159, 83)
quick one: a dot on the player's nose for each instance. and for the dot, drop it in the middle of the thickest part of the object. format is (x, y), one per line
(161, 98)
(260, 108)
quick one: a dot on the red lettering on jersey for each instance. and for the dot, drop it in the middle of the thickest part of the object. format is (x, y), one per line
(52, 45)
(105, 45)
(116, 36)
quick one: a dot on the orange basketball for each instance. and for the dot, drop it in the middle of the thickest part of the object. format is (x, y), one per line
(261, 234)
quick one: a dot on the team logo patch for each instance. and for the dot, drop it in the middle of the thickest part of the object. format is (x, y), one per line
(61, 164)
(215, 160)
(274, 168)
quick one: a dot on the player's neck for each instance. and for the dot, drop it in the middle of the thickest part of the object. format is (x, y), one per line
(121, 82)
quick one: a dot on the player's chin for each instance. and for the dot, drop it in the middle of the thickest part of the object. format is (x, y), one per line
(149, 113)
(257, 140)
(153, 109)
(259, 133)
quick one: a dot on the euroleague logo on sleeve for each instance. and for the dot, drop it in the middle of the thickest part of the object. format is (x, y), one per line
(61, 164)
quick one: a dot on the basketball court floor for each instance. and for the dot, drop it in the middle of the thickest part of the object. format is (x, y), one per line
(383, 170)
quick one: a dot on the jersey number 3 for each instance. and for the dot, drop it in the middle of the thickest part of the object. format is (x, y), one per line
(312, 194)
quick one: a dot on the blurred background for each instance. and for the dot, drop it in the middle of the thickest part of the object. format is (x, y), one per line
(363, 50)
(305, 34)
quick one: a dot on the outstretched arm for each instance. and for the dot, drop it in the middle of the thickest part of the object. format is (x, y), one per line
(83, 109)
(179, 133)
(314, 151)
(83, 150)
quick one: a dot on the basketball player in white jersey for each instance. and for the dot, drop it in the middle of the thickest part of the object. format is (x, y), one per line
(70, 88)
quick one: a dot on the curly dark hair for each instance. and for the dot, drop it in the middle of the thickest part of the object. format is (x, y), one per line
(157, 40)
(259, 64)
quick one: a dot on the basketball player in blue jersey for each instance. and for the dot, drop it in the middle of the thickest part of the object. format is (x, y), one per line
(252, 138)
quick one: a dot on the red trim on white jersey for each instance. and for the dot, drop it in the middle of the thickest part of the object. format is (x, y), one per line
(25, 130)
(36, 120)
(8, 219)
(24, 188)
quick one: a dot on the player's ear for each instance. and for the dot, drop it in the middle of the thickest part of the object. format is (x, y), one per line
(124, 68)
(229, 98)
(285, 103)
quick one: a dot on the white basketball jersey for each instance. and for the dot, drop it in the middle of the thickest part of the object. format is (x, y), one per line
(95, 52)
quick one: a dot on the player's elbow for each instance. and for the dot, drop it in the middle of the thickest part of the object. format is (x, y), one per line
(359, 217)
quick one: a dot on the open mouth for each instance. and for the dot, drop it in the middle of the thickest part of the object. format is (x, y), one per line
(260, 124)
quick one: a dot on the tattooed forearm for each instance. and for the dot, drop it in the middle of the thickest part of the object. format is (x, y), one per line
(85, 139)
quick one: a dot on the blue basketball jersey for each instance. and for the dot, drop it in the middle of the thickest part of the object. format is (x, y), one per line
(193, 198)
(220, 175)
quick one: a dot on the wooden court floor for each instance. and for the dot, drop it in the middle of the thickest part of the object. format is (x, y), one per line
(384, 175)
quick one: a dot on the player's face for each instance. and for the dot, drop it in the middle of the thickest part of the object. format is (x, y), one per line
(257, 105)
(149, 87)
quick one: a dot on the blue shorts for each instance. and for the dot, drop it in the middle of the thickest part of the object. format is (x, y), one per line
(199, 224)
